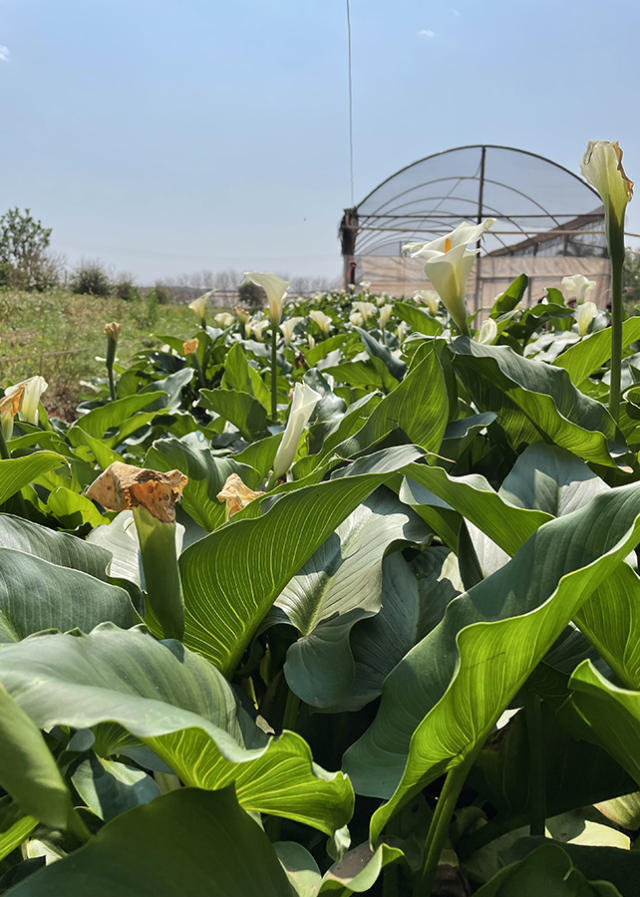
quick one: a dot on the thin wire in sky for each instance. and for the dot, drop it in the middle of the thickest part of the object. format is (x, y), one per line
(350, 103)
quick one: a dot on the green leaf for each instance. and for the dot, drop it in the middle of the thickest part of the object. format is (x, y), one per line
(36, 595)
(97, 421)
(440, 703)
(472, 496)
(73, 509)
(611, 713)
(187, 843)
(358, 870)
(182, 708)
(241, 377)
(28, 771)
(362, 374)
(300, 867)
(58, 548)
(109, 788)
(17, 833)
(396, 367)
(508, 300)
(417, 319)
(591, 353)
(418, 406)
(207, 475)
(18, 472)
(611, 621)
(550, 480)
(544, 394)
(340, 585)
(232, 577)
(241, 409)
(547, 871)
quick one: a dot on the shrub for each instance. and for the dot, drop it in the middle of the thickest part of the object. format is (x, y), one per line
(125, 288)
(251, 296)
(91, 278)
(25, 263)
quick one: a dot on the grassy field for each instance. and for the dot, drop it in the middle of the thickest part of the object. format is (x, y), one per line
(59, 335)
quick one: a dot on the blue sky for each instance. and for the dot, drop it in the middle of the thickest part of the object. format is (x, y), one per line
(165, 137)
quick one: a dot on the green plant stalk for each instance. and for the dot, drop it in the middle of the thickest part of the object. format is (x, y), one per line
(199, 370)
(439, 827)
(291, 708)
(160, 566)
(615, 239)
(537, 786)
(274, 385)
(4, 449)
(111, 356)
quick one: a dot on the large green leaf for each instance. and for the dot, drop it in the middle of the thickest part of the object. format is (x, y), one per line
(472, 496)
(418, 406)
(544, 394)
(232, 577)
(189, 843)
(611, 621)
(550, 480)
(611, 713)
(584, 358)
(240, 376)
(58, 548)
(207, 475)
(28, 771)
(340, 585)
(241, 409)
(418, 320)
(440, 703)
(18, 472)
(547, 871)
(36, 595)
(396, 367)
(114, 414)
(181, 707)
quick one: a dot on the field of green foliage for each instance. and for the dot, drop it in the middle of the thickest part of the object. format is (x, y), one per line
(341, 597)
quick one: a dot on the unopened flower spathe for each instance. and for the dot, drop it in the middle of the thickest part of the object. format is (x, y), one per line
(601, 165)
(303, 403)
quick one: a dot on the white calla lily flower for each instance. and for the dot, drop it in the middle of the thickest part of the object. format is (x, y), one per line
(22, 399)
(585, 313)
(356, 319)
(487, 333)
(225, 319)
(579, 286)
(366, 309)
(402, 330)
(311, 341)
(601, 165)
(199, 305)
(448, 263)
(323, 321)
(257, 327)
(275, 288)
(384, 315)
(303, 403)
(287, 327)
(429, 298)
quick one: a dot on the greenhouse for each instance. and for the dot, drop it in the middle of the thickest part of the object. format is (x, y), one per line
(549, 223)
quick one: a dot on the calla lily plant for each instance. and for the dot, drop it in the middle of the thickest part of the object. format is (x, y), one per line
(448, 263)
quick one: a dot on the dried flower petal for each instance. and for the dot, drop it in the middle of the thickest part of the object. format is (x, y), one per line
(122, 486)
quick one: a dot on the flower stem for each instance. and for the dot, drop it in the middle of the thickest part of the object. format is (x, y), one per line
(4, 450)
(274, 386)
(537, 788)
(616, 254)
(111, 355)
(160, 566)
(439, 828)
